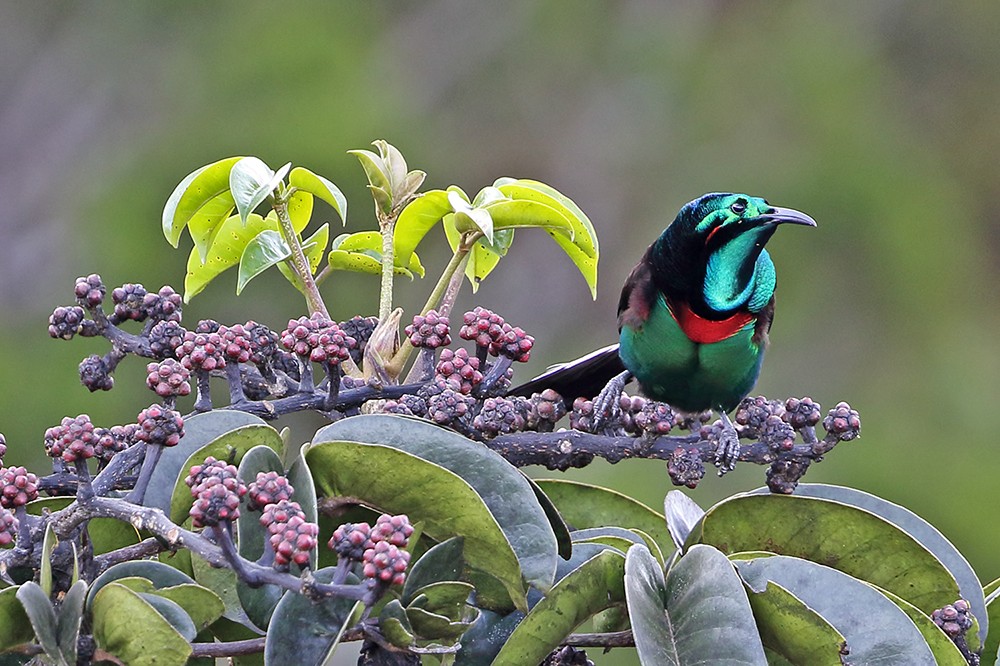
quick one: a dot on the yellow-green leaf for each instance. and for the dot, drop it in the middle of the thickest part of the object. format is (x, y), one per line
(416, 220)
(225, 252)
(305, 180)
(263, 251)
(198, 188)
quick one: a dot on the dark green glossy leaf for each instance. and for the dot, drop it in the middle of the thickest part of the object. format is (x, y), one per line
(158, 574)
(991, 646)
(223, 582)
(881, 633)
(443, 562)
(928, 536)
(395, 625)
(788, 627)
(248, 181)
(682, 515)
(305, 180)
(594, 586)
(583, 505)
(172, 613)
(317, 627)
(263, 251)
(582, 247)
(68, 622)
(559, 527)
(197, 190)
(446, 504)
(129, 627)
(845, 537)
(487, 635)
(42, 616)
(699, 614)
(416, 220)
(433, 626)
(447, 597)
(510, 498)
(230, 445)
(15, 627)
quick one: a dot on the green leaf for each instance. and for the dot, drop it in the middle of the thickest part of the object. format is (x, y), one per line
(204, 226)
(442, 562)
(68, 622)
(448, 597)
(594, 586)
(223, 582)
(928, 536)
(173, 614)
(300, 209)
(227, 248)
(395, 625)
(433, 626)
(202, 605)
(314, 248)
(446, 504)
(582, 247)
(991, 646)
(516, 213)
(49, 543)
(43, 618)
(487, 635)
(877, 631)
(263, 251)
(583, 505)
(361, 252)
(850, 539)
(318, 626)
(249, 181)
(158, 574)
(233, 443)
(306, 181)
(416, 220)
(618, 538)
(502, 487)
(15, 627)
(792, 629)
(191, 196)
(485, 256)
(129, 627)
(199, 430)
(556, 521)
(468, 218)
(378, 177)
(682, 515)
(699, 614)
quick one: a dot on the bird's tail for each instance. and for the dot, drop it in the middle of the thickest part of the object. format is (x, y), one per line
(585, 376)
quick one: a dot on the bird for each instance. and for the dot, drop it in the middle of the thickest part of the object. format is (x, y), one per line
(693, 316)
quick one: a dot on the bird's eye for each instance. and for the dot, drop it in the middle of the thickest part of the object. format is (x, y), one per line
(739, 208)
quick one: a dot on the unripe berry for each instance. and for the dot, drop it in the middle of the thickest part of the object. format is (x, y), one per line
(386, 563)
(168, 378)
(72, 440)
(394, 529)
(160, 426)
(90, 290)
(18, 486)
(350, 540)
(269, 488)
(430, 330)
(8, 527)
(211, 468)
(95, 374)
(481, 325)
(65, 322)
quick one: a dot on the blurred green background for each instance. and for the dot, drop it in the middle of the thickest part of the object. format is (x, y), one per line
(877, 118)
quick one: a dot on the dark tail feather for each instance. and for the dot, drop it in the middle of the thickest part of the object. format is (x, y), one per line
(585, 376)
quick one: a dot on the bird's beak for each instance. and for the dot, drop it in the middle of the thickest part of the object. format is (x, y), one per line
(776, 215)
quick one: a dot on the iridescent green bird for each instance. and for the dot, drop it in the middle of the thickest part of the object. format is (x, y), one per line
(693, 317)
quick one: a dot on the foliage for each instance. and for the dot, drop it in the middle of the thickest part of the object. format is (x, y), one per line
(471, 561)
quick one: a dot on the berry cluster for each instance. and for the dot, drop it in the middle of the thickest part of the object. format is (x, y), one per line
(236, 344)
(483, 326)
(954, 619)
(450, 407)
(18, 486)
(498, 416)
(160, 426)
(165, 305)
(350, 540)
(217, 490)
(168, 378)
(843, 422)
(429, 331)
(459, 370)
(72, 439)
(513, 343)
(546, 409)
(113, 440)
(210, 468)
(318, 339)
(292, 537)
(95, 373)
(263, 342)
(269, 488)
(201, 351)
(164, 338)
(378, 548)
(90, 290)
(3, 448)
(685, 467)
(385, 564)
(654, 419)
(8, 527)
(129, 300)
(65, 322)
(801, 412)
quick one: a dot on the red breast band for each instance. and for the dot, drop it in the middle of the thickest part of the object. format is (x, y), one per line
(706, 331)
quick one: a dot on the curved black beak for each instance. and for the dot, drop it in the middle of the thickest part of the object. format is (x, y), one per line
(776, 215)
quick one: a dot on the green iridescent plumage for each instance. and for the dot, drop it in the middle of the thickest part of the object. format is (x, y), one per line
(694, 313)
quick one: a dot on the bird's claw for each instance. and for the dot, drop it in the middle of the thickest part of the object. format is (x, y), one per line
(728, 449)
(607, 404)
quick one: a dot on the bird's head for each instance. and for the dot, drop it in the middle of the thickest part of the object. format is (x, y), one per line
(712, 249)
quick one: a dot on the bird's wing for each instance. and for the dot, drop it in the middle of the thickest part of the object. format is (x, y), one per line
(585, 376)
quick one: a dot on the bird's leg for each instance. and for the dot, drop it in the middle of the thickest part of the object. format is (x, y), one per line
(607, 404)
(728, 450)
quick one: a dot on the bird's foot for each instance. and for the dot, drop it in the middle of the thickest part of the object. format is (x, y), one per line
(728, 449)
(607, 404)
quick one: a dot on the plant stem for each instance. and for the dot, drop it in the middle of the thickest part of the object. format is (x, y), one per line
(386, 224)
(299, 263)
